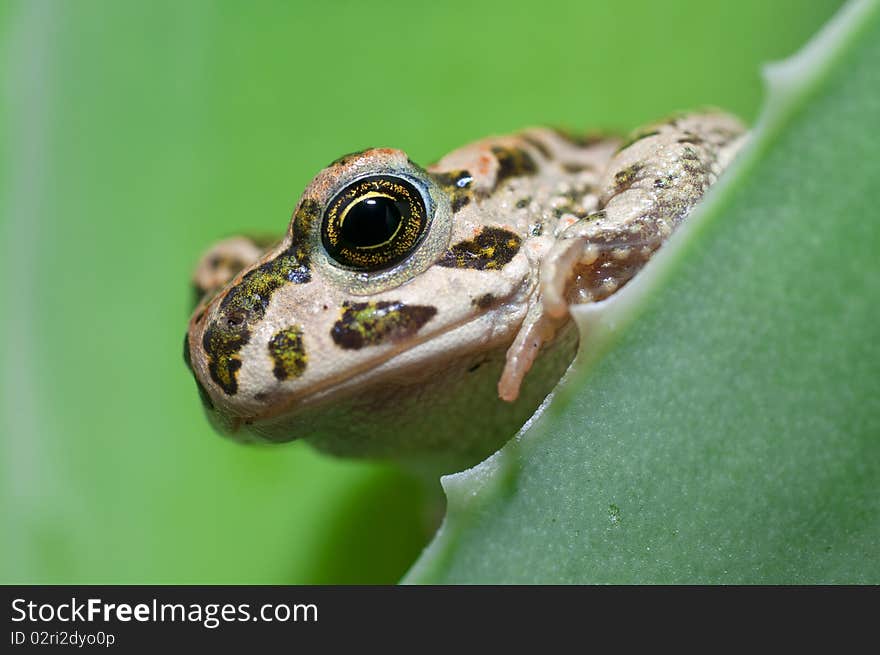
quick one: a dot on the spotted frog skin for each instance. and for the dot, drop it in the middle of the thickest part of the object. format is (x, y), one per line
(423, 314)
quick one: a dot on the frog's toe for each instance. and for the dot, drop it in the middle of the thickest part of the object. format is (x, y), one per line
(537, 329)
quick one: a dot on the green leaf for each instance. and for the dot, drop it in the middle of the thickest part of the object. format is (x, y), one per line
(722, 422)
(134, 134)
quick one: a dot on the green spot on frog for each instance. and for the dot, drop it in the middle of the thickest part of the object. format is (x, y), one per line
(288, 352)
(372, 323)
(245, 304)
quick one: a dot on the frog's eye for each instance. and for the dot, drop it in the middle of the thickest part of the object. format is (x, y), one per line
(374, 223)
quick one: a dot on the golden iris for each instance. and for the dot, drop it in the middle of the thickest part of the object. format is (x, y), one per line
(374, 223)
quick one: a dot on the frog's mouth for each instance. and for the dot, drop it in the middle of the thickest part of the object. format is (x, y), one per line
(415, 359)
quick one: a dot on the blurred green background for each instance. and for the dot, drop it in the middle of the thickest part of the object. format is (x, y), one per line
(135, 134)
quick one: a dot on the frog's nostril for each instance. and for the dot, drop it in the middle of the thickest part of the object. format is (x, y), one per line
(235, 318)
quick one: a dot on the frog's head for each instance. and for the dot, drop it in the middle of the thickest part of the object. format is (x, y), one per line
(387, 273)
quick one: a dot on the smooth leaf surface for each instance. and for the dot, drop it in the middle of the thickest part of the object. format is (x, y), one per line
(722, 423)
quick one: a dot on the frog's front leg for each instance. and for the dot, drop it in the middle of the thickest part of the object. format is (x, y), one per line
(648, 188)
(537, 328)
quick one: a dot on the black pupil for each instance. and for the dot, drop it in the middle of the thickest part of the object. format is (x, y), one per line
(370, 222)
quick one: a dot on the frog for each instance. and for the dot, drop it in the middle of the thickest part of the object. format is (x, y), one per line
(423, 315)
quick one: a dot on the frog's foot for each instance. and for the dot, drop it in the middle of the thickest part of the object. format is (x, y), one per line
(579, 268)
(223, 260)
(582, 269)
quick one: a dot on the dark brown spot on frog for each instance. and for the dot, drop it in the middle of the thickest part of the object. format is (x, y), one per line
(663, 182)
(581, 139)
(222, 345)
(491, 249)
(484, 302)
(691, 162)
(538, 145)
(689, 154)
(245, 304)
(522, 203)
(691, 138)
(572, 167)
(372, 323)
(559, 211)
(625, 178)
(460, 179)
(459, 201)
(457, 184)
(512, 162)
(288, 352)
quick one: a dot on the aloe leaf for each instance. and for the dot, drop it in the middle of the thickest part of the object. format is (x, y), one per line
(135, 134)
(722, 421)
